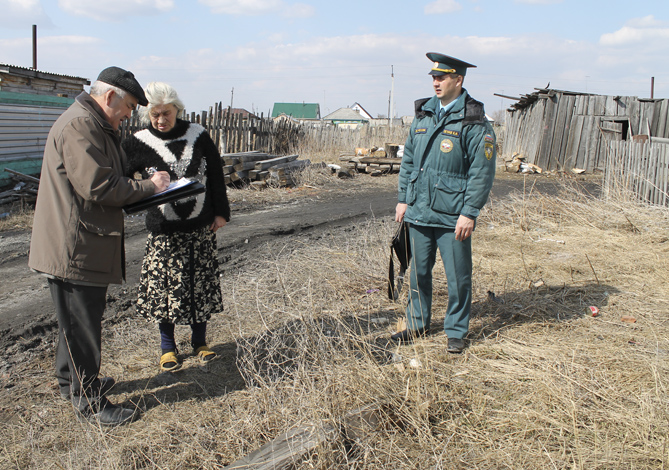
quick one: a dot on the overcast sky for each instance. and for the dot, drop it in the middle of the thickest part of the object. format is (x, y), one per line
(338, 52)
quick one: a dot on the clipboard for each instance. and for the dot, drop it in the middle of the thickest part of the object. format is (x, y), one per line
(177, 190)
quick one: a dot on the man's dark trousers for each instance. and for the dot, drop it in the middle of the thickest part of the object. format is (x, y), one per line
(79, 311)
(457, 258)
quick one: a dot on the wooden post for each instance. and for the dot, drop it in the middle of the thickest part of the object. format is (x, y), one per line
(291, 447)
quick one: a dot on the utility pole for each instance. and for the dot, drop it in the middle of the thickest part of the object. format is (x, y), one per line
(232, 96)
(392, 97)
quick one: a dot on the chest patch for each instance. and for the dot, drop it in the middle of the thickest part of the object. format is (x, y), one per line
(421, 130)
(446, 145)
(455, 134)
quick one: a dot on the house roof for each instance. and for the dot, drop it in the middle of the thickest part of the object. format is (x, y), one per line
(364, 111)
(524, 101)
(26, 72)
(245, 113)
(297, 110)
(345, 114)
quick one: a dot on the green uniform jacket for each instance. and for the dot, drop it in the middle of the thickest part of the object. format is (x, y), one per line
(448, 166)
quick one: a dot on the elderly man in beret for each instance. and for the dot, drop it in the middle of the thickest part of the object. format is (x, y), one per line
(77, 238)
(445, 177)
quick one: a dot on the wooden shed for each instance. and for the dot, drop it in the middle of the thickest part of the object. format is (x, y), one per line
(561, 130)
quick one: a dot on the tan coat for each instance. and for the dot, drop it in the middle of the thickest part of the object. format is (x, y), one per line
(78, 227)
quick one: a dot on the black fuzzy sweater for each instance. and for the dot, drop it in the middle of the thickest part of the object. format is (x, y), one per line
(185, 151)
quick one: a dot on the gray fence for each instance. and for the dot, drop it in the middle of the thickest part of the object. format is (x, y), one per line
(234, 133)
(23, 133)
(637, 168)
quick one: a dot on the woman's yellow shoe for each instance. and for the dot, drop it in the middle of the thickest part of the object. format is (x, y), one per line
(169, 361)
(205, 354)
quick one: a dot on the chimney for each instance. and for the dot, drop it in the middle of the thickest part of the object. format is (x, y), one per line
(652, 87)
(34, 47)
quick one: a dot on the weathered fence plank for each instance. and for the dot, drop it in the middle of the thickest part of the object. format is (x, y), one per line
(640, 168)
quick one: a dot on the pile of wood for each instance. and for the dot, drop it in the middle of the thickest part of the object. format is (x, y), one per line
(259, 169)
(25, 189)
(374, 161)
(517, 164)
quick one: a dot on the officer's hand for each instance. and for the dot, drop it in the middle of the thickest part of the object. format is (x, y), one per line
(161, 180)
(399, 212)
(463, 228)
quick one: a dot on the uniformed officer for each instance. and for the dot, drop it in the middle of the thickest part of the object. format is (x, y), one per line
(446, 175)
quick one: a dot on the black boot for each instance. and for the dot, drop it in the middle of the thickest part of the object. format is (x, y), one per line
(455, 345)
(407, 336)
(102, 412)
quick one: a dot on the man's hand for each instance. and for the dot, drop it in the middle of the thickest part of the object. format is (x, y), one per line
(161, 180)
(219, 222)
(463, 228)
(400, 209)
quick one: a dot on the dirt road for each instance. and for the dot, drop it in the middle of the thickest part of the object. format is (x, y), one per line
(25, 304)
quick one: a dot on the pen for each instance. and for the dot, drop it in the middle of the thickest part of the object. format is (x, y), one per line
(151, 170)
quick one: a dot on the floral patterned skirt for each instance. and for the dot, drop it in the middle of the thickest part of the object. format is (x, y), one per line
(179, 281)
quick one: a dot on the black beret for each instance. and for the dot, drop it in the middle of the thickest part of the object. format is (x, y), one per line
(125, 81)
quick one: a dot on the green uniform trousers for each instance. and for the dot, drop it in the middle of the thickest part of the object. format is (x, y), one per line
(457, 259)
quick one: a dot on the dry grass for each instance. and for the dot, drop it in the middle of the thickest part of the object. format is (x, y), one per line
(302, 340)
(328, 143)
(17, 219)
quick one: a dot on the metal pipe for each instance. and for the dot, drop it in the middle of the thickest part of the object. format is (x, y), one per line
(34, 47)
(652, 87)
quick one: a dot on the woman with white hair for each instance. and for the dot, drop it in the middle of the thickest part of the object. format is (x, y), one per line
(179, 282)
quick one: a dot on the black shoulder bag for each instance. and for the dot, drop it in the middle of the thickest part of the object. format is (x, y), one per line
(400, 247)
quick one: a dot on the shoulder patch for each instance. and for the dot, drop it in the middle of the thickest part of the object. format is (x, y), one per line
(489, 138)
(488, 150)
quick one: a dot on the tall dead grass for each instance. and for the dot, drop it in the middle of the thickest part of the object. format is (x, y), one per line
(302, 340)
(326, 144)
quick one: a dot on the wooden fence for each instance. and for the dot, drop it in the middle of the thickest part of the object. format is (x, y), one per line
(234, 133)
(639, 168)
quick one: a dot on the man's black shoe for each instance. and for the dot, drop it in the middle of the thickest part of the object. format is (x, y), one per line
(407, 336)
(106, 384)
(100, 411)
(456, 345)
